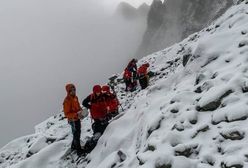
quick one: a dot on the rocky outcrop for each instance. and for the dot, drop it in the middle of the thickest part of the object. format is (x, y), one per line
(129, 12)
(171, 21)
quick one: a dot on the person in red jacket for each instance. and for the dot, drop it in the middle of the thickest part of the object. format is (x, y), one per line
(143, 75)
(127, 76)
(130, 75)
(71, 108)
(112, 102)
(98, 109)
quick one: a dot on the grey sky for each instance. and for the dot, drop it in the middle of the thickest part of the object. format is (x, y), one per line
(45, 44)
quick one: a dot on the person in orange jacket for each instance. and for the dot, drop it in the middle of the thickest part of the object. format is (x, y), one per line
(111, 101)
(143, 75)
(71, 108)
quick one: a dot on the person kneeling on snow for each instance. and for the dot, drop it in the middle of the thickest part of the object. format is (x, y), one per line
(98, 110)
(72, 111)
(143, 75)
(112, 102)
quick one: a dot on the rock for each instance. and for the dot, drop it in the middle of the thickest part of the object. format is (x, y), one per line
(233, 135)
(211, 106)
(150, 148)
(198, 90)
(245, 87)
(186, 59)
(178, 127)
(186, 150)
(203, 128)
(174, 111)
(156, 127)
(224, 165)
(199, 78)
(163, 165)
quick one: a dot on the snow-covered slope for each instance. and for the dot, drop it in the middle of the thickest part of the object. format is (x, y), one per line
(191, 116)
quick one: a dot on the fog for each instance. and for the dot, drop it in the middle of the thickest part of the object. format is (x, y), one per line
(45, 44)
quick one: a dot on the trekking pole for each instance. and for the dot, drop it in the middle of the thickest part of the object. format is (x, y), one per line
(113, 89)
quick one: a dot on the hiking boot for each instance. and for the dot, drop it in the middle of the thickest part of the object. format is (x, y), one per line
(81, 152)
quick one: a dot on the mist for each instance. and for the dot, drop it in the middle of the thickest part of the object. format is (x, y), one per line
(45, 44)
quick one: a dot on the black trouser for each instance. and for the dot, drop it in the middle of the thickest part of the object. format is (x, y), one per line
(98, 128)
(76, 131)
(143, 80)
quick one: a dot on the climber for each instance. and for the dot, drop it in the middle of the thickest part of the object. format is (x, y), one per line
(73, 111)
(112, 102)
(130, 75)
(96, 103)
(143, 76)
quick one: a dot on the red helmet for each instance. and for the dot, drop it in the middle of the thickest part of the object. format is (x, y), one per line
(97, 89)
(147, 64)
(105, 88)
(69, 87)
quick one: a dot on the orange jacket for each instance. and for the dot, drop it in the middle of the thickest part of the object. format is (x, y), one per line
(71, 107)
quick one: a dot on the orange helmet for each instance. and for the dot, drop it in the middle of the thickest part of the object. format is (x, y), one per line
(69, 87)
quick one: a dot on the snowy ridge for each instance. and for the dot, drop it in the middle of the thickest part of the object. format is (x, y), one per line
(192, 116)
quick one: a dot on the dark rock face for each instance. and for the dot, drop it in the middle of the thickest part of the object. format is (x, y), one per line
(128, 12)
(171, 21)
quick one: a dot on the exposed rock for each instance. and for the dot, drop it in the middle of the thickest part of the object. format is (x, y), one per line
(172, 21)
(178, 127)
(156, 127)
(213, 105)
(233, 135)
(163, 165)
(186, 59)
(174, 111)
(245, 87)
(224, 165)
(199, 78)
(186, 150)
(203, 128)
(150, 148)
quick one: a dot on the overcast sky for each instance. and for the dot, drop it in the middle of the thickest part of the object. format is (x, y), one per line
(135, 3)
(45, 44)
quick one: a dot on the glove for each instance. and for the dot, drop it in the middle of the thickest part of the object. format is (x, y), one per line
(80, 114)
(83, 113)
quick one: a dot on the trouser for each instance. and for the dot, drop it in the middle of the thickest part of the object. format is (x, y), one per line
(144, 80)
(98, 128)
(76, 131)
(128, 82)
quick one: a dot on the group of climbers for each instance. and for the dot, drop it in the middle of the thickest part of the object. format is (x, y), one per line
(103, 106)
(132, 74)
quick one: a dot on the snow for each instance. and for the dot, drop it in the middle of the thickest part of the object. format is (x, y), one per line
(161, 126)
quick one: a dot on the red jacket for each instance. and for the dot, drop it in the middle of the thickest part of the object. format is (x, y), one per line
(97, 106)
(112, 102)
(127, 74)
(142, 70)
